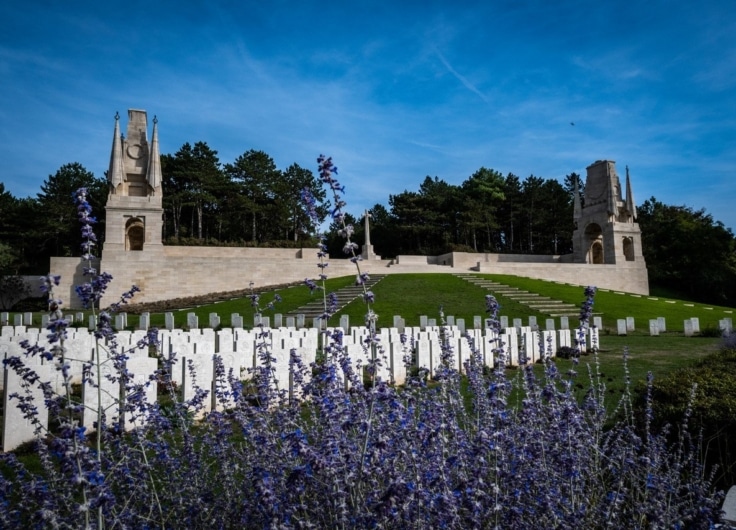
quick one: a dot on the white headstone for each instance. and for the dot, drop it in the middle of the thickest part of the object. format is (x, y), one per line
(197, 372)
(564, 323)
(518, 323)
(696, 324)
(661, 324)
(688, 328)
(630, 324)
(511, 348)
(598, 322)
(621, 325)
(565, 340)
(594, 336)
(169, 321)
(192, 321)
(532, 321)
(290, 322)
(729, 507)
(424, 354)
(653, 328)
(16, 428)
(580, 339)
(550, 342)
(549, 324)
(504, 320)
(477, 322)
(141, 368)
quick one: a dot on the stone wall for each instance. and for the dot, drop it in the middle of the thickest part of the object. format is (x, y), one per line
(178, 272)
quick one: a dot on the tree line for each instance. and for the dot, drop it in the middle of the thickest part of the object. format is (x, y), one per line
(488, 212)
(250, 201)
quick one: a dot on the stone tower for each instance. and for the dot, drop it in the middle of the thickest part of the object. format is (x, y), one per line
(134, 208)
(605, 227)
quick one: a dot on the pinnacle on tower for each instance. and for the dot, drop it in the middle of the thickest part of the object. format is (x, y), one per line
(115, 175)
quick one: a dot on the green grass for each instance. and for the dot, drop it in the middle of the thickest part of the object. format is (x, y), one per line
(612, 305)
(413, 295)
(658, 355)
(292, 298)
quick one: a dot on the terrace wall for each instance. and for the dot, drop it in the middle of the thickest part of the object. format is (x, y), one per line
(170, 272)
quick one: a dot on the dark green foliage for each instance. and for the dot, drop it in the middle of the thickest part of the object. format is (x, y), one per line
(193, 186)
(12, 290)
(688, 251)
(713, 407)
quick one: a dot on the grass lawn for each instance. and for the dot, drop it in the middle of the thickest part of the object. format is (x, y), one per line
(414, 295)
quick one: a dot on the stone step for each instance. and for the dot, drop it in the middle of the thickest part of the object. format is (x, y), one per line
(543, 304)
(344, 297)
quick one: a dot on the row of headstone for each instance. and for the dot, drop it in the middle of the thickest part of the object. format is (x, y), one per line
(479, 322)
(26, 319)
(691, 326)
(239, 350)
(194, 368)
(658, 325)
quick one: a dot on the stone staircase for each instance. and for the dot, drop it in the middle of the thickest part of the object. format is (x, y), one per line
(543, 304)
(344, 297)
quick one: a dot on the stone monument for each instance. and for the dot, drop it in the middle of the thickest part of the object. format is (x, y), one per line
(367, 251)
(605, 227)
(134, 211)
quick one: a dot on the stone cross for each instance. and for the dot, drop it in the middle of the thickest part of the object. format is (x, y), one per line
(367, 229)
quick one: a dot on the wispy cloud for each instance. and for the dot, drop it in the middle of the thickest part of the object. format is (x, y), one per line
(467, 84)
(370, 86)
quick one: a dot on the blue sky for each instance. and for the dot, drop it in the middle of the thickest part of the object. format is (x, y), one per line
(393, 91)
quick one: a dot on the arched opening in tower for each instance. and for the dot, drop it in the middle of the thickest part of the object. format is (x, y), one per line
(135, 234)
(629, 248)
(594, 236)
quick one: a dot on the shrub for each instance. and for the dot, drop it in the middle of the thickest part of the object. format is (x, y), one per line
(706, 392)
(710, 331)
(13, 289)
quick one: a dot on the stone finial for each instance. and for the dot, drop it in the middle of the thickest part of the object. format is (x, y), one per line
(153, 173)
(115, 175)
(630, 205)
(577, 208)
